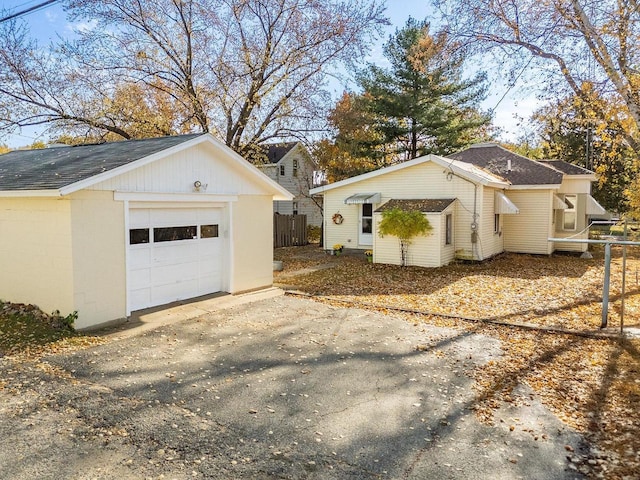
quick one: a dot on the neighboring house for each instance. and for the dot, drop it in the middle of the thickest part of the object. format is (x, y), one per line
(480, 202)
(111, 228)
(291, 166)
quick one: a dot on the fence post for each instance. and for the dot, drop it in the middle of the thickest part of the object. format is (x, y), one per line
(605, 287)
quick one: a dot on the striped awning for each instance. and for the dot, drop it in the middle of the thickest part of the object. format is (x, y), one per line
(360, 198)
(559, 203)
(503, 205)
(593, 207)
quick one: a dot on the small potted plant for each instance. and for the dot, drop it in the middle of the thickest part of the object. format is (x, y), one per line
(337, 249)
(369, 255)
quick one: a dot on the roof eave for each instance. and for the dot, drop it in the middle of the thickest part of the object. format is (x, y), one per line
(29, 193)
(582, 176)
(546, 186)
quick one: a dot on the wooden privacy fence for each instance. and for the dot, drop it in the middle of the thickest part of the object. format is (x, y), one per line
(289, 230)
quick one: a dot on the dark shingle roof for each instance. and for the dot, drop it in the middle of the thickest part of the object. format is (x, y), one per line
(566, 167)
(276, 151)
(524, 171)
(425, 205)
(53, 168)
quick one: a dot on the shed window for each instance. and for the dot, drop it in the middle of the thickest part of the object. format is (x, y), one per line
(448, 230)
(282, 170)
(171, 234)
(138, 235)
(570, 213)
(496, 223)
(208, 231)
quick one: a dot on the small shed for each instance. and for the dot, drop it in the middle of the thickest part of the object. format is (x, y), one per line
(431, 250)
(111, 228)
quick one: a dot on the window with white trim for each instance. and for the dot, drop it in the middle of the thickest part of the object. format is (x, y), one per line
(295, 167)
(496, 223)
(570, 214)
(448, 229)
(367, 218)
(282, 170)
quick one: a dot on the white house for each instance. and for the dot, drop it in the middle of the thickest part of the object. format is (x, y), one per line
(481, 202)
(291, 166)
(110, 228)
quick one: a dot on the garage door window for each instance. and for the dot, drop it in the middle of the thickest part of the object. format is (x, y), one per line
(208, 231)
(138, 235)
(171, 234)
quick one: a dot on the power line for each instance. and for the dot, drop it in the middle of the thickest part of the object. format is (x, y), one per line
(28, 10)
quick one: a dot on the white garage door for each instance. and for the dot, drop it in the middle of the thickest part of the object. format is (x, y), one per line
(174, 254)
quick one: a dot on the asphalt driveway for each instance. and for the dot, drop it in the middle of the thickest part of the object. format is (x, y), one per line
(280, 388)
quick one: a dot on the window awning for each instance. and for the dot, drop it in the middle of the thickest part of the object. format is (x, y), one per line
(593, 207)
(559, 203)
(503, 205)
(360, 198)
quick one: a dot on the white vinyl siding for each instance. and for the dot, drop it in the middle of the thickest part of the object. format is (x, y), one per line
(426, 180)
(491, 242)
(424, 251)
(528, 231)
(177, 173)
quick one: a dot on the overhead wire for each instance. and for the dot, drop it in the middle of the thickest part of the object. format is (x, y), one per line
(29, 10)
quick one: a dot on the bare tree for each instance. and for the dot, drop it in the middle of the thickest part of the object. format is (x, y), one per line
(246, 70)
(584, 42)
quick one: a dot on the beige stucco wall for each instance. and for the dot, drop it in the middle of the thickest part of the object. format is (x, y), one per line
(99, 271)
(36, 253)
(251, 243)
(426, 180)
(528, 231)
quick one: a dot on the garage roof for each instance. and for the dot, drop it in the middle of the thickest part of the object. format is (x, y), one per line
(54, 168)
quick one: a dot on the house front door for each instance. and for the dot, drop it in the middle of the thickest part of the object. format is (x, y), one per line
(365, 224)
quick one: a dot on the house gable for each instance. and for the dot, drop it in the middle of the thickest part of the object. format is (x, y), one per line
(179, 171)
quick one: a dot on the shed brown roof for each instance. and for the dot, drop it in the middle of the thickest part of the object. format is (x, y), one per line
(425, 205)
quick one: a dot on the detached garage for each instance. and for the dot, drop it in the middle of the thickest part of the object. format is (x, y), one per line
(111, 228)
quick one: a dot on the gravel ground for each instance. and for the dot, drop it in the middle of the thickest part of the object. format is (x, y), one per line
(281, 388)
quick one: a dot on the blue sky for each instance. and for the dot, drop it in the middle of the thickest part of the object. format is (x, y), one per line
(48, 22)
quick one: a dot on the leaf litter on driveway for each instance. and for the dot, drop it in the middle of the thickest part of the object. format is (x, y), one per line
(592, 384)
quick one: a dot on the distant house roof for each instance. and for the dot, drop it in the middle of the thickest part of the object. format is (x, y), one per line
(276, 151)
(566, 167)
(514, 168)
(425, 205)
(54, 168)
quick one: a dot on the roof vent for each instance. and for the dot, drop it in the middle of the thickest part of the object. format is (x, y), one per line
(508, 164)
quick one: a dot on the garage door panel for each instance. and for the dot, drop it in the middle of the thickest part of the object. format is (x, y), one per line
(175, 252)
(139, 257)
(173, 217)
(177, 291)
(163, 272)
(173, 274)
(139, 279)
